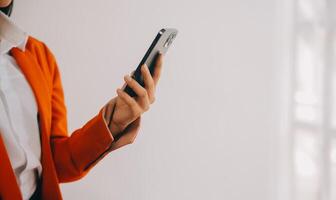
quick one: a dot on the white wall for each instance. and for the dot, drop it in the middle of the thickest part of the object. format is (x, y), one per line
(211, 133)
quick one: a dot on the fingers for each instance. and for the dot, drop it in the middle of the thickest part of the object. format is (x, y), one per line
(131, 102)
(140, 91)
(125, 84)
(149, 83)
(146, 94)
(158, 68)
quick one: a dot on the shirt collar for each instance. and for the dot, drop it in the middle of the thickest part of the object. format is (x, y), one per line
(11, 35)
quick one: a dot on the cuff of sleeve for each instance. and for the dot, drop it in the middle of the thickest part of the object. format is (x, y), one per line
(93, 139)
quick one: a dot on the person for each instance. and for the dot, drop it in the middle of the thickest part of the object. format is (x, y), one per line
(36, 151)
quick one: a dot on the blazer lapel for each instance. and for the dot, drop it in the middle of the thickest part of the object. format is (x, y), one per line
(35, 77)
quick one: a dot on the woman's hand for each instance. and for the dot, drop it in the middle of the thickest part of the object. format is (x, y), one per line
(127, 109)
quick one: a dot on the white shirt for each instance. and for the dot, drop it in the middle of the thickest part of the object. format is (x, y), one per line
(18, 111)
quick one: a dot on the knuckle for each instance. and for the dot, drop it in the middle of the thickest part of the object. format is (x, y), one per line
(153, 99)
(133, 104)
(143, 92)
(135, 112)
(151, 84)
(130, 81)
(146, 108)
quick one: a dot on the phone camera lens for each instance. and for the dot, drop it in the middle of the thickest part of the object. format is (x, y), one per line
(166, 44)
(169, 40)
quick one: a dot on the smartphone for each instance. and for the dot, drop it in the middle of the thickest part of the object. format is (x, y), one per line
(161, 43)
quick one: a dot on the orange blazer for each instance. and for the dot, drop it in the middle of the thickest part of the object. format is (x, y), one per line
(64, 158)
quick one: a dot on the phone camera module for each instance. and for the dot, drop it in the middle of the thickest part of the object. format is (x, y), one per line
(169, 40)
(167, 43)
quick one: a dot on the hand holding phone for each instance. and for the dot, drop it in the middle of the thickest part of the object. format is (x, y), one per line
(124, 111)
(160, 44)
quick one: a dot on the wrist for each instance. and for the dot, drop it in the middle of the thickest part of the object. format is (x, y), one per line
(115, 128)
(108, 119)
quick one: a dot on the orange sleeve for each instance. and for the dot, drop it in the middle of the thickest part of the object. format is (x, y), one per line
(74, 156)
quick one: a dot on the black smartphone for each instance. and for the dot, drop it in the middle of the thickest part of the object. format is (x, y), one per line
(161, 43)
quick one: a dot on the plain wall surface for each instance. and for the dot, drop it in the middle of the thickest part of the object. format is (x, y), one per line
(210, 133)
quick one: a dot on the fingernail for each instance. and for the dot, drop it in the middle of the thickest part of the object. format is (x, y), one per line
(127, 77)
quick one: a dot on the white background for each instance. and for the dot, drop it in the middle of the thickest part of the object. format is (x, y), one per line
(214, 129)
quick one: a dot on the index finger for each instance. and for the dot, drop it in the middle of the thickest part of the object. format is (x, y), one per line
(125, 84)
